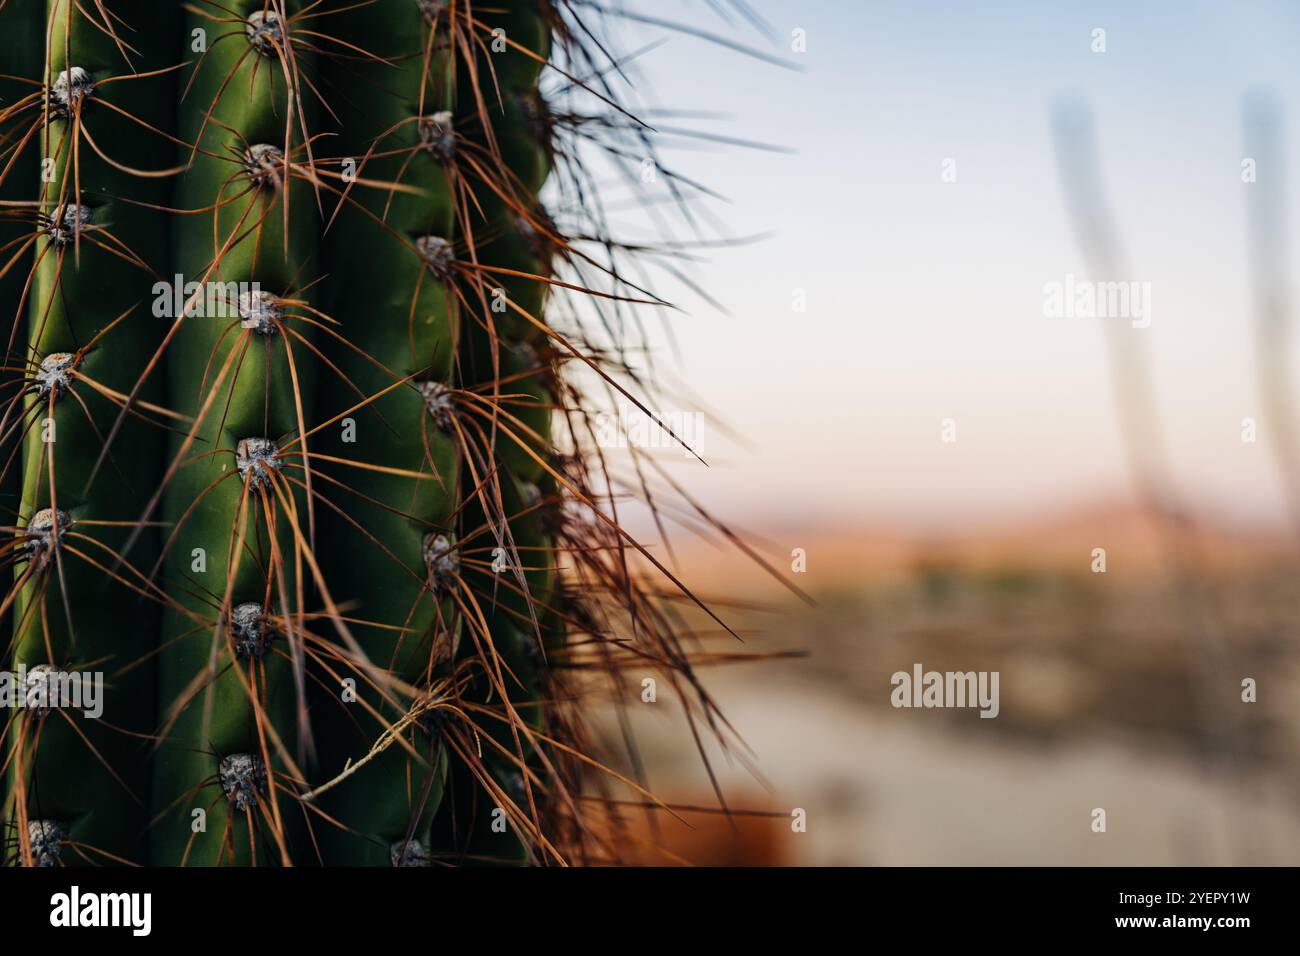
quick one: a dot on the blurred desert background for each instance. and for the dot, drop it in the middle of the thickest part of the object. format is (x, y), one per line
(867, 300)
(1119, 690)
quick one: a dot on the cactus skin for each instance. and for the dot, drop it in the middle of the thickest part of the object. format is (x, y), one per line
(499, 357)
(21, 46)
(312, 541)
(240, 384)
(399, 314)
(85, 776)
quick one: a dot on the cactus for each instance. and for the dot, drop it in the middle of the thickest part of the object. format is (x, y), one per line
(293, 451)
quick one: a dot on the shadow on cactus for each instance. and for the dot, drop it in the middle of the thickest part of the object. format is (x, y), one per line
(315, 556)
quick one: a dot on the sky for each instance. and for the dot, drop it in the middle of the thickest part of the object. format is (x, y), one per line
(925, 297)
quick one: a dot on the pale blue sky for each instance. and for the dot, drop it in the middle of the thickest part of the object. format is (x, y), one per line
(925, 298)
